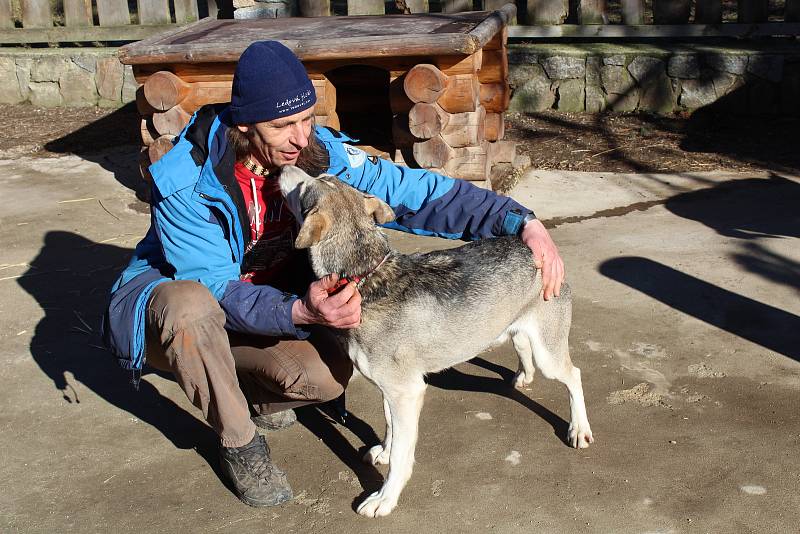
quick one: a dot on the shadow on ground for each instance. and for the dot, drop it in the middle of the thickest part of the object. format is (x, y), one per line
(69, 279)
(113, 143)
(754, 212)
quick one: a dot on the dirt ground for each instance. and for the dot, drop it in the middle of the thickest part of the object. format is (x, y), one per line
(554, 141)
(685, 326)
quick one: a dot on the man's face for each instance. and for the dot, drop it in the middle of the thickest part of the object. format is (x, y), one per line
(278, 142)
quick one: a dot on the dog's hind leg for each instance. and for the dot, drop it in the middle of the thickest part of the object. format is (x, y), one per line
(526, 369)
(379, 454)
(548, 332)
(405, 403)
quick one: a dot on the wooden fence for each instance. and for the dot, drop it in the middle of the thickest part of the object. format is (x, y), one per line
(60, 21)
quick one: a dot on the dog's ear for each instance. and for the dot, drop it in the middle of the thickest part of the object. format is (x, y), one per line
(315, 228)
(378, 209)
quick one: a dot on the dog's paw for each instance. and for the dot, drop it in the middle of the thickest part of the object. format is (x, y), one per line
(580, 437)
(521, 379)
(377, 455)
(377, 505)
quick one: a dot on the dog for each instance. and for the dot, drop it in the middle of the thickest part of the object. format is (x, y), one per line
(422, 313)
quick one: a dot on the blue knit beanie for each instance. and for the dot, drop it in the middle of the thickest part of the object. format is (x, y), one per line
(269, 82)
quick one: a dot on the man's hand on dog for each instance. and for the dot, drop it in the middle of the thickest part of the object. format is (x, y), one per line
(545, 257)
(340, 309)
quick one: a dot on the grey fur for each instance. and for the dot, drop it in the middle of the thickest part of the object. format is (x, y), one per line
(422, 313)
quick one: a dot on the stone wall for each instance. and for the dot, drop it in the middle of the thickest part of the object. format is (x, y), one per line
(658, 79)
(52, 77)
(576, 78)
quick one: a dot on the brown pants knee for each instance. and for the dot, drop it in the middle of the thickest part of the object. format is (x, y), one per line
(225, 374)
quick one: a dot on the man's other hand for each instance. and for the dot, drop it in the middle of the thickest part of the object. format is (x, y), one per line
(339, 309)
(545, 257)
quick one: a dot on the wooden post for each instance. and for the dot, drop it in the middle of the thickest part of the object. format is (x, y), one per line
(186, 11)
(671, 11)
(751, 11)
(592, 12)
(633, 11)
(315, 8)
(36, 14)
(113, 12)
(78, 13)
(792, 11)
(455, 6)
(708, 12)
(153, 11)
(6, 19)
(365, 7)
(547, 11)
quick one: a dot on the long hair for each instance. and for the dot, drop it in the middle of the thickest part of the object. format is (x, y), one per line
(313, 159)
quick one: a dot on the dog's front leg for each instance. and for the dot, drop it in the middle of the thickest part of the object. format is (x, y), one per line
(379, 454)
(405, 403)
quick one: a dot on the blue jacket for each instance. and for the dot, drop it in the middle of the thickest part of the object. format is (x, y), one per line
(196, 230)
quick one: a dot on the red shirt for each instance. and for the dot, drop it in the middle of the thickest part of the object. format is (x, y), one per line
(272, 232)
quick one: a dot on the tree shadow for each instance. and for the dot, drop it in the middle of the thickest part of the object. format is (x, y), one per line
(455, 380)
(113, 143)
(69, 279)
(765, 325)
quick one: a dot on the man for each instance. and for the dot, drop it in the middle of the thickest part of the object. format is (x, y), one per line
(212, 293)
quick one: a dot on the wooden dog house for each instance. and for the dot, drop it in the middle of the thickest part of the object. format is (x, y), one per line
(428, 90)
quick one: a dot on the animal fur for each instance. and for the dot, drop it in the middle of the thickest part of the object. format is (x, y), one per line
(422, 313)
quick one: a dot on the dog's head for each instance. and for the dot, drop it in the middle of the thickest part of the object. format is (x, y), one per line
(328, 209)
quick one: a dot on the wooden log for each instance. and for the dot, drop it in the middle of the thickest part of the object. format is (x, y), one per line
(456, 6)
(427, 120)
(365, 7)
(113, 12)
(499, 41)
(462, 94)
(465, 129)
(186, 11)
(792, 11)
(547, 11)
(633, 11)
(326, 96)
(432, 153)
(398, 99)
(170, 122)
(451, 65)
(36, 14)
(495, 97)
(494, 67)
(671, 11)
(469, 163)
(495, 126)
(164, 90)
(503, 152)
(148, 131)
(6, 16)
(751, 11)
(77, 13)
(401, 134)
(153, 11)
(315, 8)
(425, 83)
(159, 147)
(331, 120)
(592, 12)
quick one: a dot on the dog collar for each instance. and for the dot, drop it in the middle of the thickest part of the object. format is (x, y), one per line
(358, 280)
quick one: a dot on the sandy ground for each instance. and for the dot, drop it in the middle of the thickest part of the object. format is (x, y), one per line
(685, 326)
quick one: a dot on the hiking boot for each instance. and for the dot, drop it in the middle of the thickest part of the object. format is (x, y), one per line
(256, 480)
(275, 421)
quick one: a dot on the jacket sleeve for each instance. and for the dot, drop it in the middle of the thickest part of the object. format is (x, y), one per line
(195, 246)
(425, 202)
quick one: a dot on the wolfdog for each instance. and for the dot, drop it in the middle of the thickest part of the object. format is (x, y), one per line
(422, 313)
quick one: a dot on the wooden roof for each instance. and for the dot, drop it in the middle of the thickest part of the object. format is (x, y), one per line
(213, 40)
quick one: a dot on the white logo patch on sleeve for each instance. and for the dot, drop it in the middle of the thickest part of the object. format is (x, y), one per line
(356, 156)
